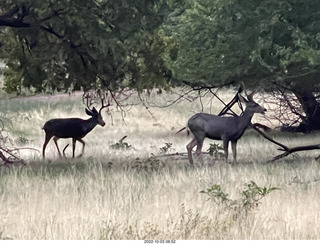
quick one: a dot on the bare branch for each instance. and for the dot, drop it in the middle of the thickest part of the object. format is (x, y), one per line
(287, 150)
(284, 108)
(8, 19)
(11, 158)
(295, 149)
(106, 98)
(146, 107)
(255, 126)
(230, 104)
(51, 31)
(181, 97)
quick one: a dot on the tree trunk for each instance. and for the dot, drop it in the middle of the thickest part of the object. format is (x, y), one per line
(311, 107)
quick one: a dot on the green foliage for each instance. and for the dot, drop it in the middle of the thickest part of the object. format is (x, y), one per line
(5, 124)
(60, 45)
(214, 149)
(166, 148)
(121, 144)
(150, 164)
(216, 194)
(251, 196)
(222, 42)
(234, 212)
(22, 140)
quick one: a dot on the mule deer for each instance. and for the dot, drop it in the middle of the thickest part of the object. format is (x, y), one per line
(227, 129)
(74, 128)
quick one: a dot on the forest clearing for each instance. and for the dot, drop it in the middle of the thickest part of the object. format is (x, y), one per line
(114, 81)
(131, 190)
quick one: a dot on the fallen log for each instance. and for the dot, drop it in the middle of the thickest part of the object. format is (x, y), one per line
(296, 149)
(287, 150)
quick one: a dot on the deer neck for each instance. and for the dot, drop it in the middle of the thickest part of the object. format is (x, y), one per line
(89, 125)
(246, 117)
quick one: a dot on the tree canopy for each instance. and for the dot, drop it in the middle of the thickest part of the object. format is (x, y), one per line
(248, 41)
(63, 44)
(270, 44)
(76, 44)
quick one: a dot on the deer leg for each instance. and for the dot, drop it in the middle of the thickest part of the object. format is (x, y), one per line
(47, 139)
(225, 148)
(55, 139)
(191, 145)
(74, 140)
(234, 150)
(83, 145)
(198, 150)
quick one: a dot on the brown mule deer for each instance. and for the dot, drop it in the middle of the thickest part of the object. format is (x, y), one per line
(227, 129)
(74, 128)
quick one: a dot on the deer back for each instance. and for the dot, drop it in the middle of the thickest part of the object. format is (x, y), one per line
(73, 127)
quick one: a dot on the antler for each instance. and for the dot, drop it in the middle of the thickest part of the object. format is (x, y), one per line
(91, 97)
(249, 96)
(103, 97)
(88, 99)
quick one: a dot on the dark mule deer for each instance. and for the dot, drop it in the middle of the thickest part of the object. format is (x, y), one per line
(74, 128)
(227, 129)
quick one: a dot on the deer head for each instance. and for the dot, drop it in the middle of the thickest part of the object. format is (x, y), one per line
(90, 98)
(96, 115)
(251, 105)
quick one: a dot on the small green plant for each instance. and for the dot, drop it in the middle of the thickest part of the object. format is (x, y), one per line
(216, 194)
(150, 164)
(235, 212)
(166, 148)
(251, 196)
(22, 140)
(215, 149)
(121, 144)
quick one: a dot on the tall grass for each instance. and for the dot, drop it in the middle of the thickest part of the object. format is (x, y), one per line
(130, 194)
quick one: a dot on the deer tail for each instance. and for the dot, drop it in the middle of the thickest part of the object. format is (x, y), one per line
(188, 131)
(181, 130)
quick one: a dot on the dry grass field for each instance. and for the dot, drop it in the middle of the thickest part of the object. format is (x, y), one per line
(137, 192)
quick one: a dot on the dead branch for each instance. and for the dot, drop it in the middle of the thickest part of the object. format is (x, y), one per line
(263, 127)
(285, 148)
(146, 106)
(284, 107)
(9, 154)
(184, 95)
(5, 159)
(296, 149)
(106, 98)
(228, 106)
(11, 158)
(171, 155)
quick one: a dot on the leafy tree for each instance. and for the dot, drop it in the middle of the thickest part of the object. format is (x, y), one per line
(271, 44)
(57, 45)
(63, 44)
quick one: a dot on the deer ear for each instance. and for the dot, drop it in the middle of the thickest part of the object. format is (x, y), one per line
(88, 112)
(242, 99)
